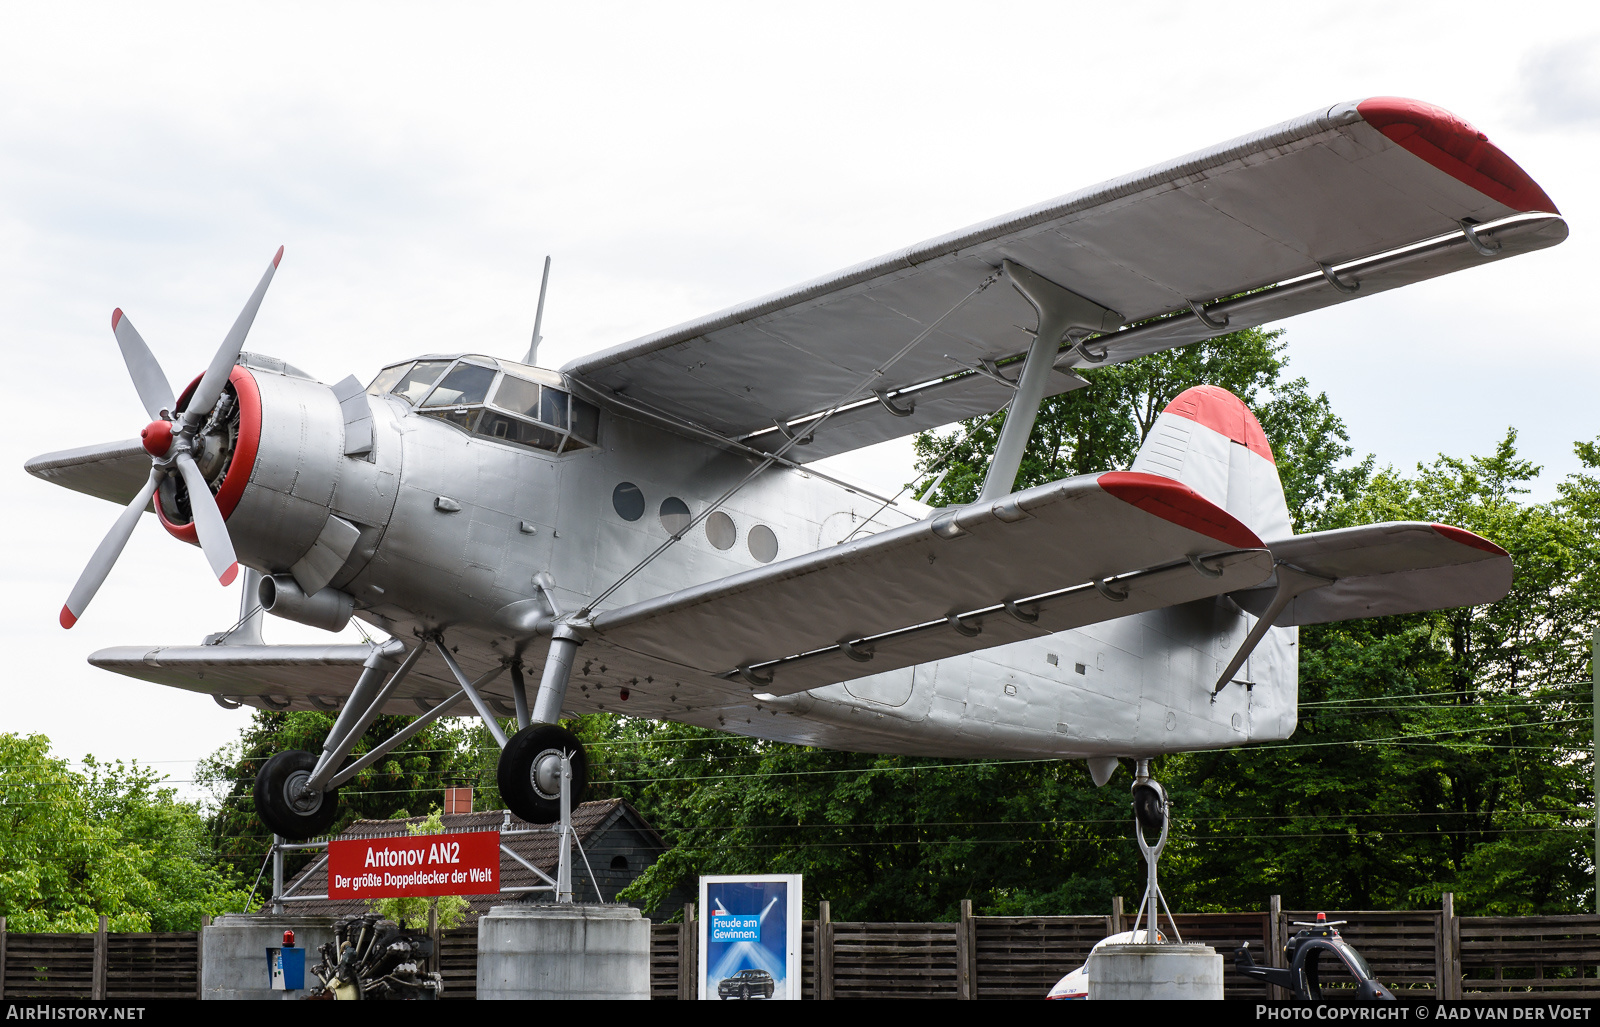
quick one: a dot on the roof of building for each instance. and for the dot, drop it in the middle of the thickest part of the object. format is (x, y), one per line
(589, 821)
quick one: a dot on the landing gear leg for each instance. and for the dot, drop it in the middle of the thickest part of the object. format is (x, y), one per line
(529, 773)
(1152, 811)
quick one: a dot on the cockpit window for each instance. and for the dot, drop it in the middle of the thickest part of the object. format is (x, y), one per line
(466, 384)
(386, 379)
(518, 395)
(419, 379)
(499, 405)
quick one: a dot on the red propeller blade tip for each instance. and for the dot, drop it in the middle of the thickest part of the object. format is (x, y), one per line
(67, 619)
(116, 318)
(277, 257)
(229, 574)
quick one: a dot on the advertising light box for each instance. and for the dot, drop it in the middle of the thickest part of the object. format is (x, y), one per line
(420, 864)
(750, 937)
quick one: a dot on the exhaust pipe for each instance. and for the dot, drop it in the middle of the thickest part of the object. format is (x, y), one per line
(329, 609)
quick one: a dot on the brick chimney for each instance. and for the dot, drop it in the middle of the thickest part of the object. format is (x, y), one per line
(458, 800)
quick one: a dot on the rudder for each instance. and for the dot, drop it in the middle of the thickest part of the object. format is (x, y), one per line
(1209, 440)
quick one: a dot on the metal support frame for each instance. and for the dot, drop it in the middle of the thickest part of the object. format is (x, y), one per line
(1220, 320)
(1060, 310)
(470, 688)
(519, 695)
(277, 874)
(1291, 582)
(1486, 247)
(362, 708)
(395, 740)
(559, 886)
(1153, 900)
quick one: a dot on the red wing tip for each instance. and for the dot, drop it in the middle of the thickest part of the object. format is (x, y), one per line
(277, 257)
(1468, 538)
(1457, 148)
(67, 619)
(229, 574)
(116, 318)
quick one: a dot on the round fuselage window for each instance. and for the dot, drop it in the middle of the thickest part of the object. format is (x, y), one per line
(628, 501)
(720, 530)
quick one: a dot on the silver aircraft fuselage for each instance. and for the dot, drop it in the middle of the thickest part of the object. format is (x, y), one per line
(455, 528)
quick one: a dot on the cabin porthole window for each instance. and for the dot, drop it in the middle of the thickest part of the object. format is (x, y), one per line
(763, 543)
(674, 514)
(628, 501)
(720, 530)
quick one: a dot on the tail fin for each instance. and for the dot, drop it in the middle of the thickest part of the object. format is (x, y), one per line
(1209, 440)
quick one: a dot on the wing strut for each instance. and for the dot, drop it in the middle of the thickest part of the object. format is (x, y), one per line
(1060, 311)
(1291, 582)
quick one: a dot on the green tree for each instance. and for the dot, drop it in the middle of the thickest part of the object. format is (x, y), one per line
(1444, 751)
(112, 841)
(1100, 426)
(880, 837)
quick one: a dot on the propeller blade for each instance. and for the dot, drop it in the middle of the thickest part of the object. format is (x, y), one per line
(148, 378)
(210, 388)
(208, 523)
(100, 564)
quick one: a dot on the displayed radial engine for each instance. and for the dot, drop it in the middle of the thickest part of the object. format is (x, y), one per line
(372, 958)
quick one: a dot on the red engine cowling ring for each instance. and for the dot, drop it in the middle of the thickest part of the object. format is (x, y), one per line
(243, 461)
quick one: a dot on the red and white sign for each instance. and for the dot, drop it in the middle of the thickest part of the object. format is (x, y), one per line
(422, 864)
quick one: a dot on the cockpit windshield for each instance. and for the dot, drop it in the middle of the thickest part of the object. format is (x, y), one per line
(416, 382)
(466, 384)
(496, 404)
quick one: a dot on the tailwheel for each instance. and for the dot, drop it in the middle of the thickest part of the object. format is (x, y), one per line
(1150, 806)
(529, 773)
(285, 806)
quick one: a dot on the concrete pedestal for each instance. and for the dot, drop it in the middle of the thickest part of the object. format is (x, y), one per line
(1155, 971)
(563, 951)
(233, 953)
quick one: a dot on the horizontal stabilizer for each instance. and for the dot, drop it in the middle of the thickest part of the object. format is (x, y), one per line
(1383, 569)
(1069, 553)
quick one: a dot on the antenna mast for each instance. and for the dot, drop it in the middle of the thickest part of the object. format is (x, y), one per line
(538, 318)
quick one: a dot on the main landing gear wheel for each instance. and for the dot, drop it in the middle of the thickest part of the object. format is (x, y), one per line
(280, 803)
(529, 773)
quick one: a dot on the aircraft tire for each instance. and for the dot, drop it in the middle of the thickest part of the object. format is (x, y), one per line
(528, 785)
(278, 806)
(1149, 806)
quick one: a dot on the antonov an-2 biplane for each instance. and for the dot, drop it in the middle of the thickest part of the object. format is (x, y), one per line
(645, 530)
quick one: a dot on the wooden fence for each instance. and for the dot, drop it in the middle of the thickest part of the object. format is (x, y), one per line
(102, 965)
(1429, 953)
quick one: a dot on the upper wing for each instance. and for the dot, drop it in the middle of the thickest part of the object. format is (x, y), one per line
(1380, 569)
(1339, 188)
(113, 471)
(1048, 559)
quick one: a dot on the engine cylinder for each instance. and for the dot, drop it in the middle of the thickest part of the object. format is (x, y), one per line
(328, 609)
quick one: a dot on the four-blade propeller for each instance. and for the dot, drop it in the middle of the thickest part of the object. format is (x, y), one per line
(171, 440)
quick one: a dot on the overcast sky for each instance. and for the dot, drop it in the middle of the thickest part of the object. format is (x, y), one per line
(418, 162)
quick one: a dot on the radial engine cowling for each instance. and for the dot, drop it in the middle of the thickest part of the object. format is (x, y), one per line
(296, 504)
